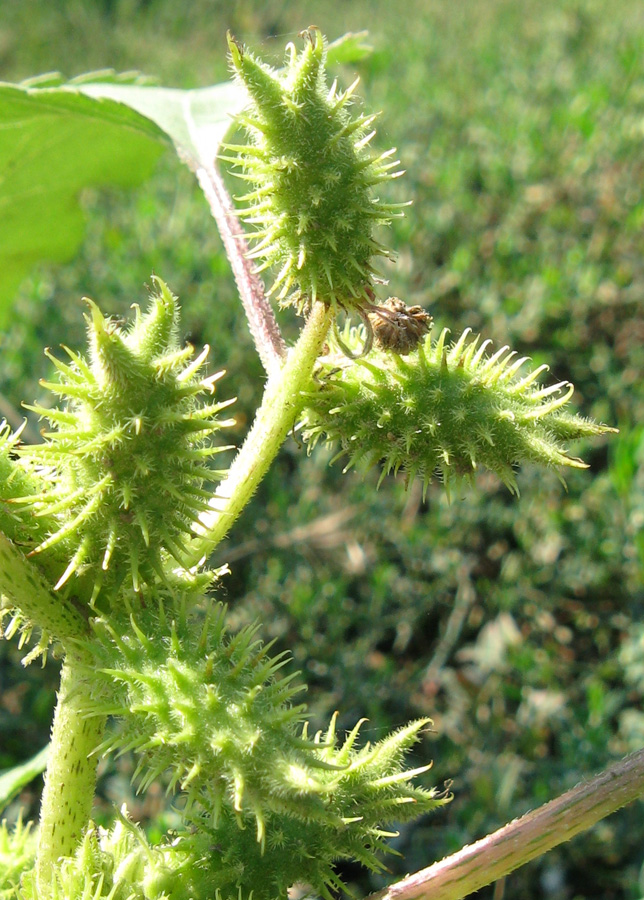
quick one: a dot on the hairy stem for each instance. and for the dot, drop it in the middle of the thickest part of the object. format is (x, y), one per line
(261, 321)
(23, 585)
(517, 843)
(70, 778)
(275, 418)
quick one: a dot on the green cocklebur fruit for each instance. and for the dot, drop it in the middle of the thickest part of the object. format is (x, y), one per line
(208, 863)
(20, 532)
(209, 709)
(313, 204)
(126, 457)
(16, 480)
(107, 865)
(17, 851)
(221, 857)
(445, 410)
(202, 704)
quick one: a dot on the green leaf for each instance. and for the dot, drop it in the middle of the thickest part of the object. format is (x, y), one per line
(350, 48)
(99, 129)
(195, 120)
(13, 780)
(57, 140)
(53, 143)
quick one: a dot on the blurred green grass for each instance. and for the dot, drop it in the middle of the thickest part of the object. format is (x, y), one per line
(515, 625)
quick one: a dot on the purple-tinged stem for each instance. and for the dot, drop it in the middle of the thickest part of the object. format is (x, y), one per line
(515, 844)
(261, 320)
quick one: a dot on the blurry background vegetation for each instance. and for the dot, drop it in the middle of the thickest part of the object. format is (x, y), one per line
(514, 624)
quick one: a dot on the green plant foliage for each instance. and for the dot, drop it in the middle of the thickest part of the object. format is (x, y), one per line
(88, 143)
(107, 864)
(208, 708)
(196, 120)
(314, 177)
(501, 619)
(223, 863)
(126, 460)
(17, 851)
(17, 480)
(125, 466)
(444, 409)
(15, 779)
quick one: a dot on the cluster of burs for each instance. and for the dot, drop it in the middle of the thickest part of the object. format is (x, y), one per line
(107, 506)
(387, 392)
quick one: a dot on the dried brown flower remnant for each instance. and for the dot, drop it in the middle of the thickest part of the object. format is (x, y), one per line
(398, 327)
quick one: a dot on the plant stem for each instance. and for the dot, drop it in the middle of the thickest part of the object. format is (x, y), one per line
(275, 418)
(517, 843)
(71, 775)
(28, 590)
(261, 320)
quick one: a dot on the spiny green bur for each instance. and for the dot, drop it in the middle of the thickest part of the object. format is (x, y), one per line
(127, 454)
(18, 480)
(207, 864)
(20, 578)
(445, 410)
(17, 851)
(280, 807)
(313, 202)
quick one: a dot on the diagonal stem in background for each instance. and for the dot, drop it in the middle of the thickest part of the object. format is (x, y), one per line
(261, 320)
(524, 839)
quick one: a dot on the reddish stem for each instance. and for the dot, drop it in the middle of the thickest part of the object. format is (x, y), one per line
(261, 320)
